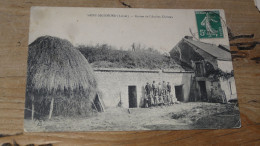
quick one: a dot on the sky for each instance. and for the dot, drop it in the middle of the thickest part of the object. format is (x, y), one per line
(160, 29)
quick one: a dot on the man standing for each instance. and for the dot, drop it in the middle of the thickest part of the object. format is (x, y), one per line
(154, 88)
(150, 94)
(164, 91)
(154, 93)
(164, 87)
(169, 90)
(160, 93)
(147, 93)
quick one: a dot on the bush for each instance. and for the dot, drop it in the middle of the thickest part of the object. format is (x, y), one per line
(106, 56)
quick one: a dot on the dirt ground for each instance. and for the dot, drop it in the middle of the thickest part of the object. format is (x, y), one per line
(192, 115)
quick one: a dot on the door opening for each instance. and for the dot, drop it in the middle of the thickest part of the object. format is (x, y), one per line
(132, 96)
(179, 93)
(203, 91)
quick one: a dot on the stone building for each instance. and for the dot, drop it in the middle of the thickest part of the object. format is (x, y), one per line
(126, 86)
(214, 79)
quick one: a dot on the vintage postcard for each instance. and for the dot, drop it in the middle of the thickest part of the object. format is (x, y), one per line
(115, 69)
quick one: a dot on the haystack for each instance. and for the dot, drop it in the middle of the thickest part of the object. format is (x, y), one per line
(60, 80)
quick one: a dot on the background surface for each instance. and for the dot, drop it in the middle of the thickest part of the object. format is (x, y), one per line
(243, 19)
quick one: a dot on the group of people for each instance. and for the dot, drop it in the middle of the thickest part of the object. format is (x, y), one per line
(157, 94)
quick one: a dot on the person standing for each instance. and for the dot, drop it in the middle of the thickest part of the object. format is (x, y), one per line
(164, 87)
(154, 93)
(169, 90)
(160, 93)
(153, 88)
(164, 92)
(155, 99)
(148, 95)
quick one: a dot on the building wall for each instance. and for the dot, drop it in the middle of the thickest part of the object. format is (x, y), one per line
(229, 88)
(114, 85)
(187, 53)
(225, 66)
(219, 91)
(215, 92)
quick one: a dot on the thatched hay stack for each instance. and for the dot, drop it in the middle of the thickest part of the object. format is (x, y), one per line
(58, 74)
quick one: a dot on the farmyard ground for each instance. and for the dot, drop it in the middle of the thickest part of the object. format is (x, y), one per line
(193, 115)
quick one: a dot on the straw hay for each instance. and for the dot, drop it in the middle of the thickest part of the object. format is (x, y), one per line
(57, 70)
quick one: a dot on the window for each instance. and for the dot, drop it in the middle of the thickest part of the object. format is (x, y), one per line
(199, 69)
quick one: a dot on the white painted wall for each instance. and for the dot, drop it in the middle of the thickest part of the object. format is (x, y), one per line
(112, 84)
(225, 66)
(229, 87)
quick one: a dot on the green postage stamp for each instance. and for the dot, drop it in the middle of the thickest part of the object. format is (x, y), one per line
(209, 24)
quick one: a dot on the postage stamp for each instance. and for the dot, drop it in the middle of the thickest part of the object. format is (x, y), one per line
(209, 24)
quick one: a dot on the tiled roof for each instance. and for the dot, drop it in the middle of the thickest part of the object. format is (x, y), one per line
(214, 50)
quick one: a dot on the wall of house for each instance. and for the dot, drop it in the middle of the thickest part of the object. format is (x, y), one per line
(214, 91)
(114, 84)
(229, 88)
(190, 53)
(185, 52)
(218, 91)
(225, 66)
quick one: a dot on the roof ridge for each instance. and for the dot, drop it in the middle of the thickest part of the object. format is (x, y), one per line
(209, 48)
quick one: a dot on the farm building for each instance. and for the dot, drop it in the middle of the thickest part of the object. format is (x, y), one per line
(126, 86)
(214, 79)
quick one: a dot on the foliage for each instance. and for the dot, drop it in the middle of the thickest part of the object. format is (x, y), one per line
(105, 56)
(217, 73)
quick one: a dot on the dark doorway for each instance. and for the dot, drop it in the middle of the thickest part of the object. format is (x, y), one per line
(203, 91)
(132, 96)
(179, 93)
